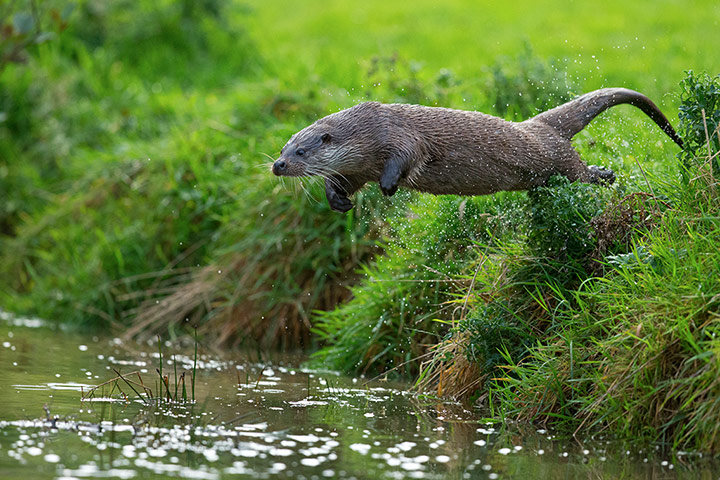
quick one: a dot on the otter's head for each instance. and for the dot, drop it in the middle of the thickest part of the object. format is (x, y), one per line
(306, 154)
(330, 146)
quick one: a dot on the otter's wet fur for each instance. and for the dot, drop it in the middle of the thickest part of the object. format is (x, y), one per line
(446, 151)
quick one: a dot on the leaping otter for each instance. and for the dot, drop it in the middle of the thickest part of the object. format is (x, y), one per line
(446, 151)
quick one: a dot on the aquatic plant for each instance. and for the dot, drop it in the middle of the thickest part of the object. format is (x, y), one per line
(167, 389)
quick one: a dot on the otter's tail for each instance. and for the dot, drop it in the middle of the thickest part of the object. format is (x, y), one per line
(573, 116)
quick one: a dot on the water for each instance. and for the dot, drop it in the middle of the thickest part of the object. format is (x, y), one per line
(268, 419)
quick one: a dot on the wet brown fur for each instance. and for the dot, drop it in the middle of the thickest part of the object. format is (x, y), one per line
(446, 151)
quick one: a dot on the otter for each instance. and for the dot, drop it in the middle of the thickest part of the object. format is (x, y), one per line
(446, 151)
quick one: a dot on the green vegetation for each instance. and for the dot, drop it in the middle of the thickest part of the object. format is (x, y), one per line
(171, 389)
(610, 322)
(134, 144)
(139, 189)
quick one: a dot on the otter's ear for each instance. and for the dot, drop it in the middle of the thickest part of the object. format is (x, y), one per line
(325, 137)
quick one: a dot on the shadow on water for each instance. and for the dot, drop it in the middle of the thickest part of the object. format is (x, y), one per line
(261, 420)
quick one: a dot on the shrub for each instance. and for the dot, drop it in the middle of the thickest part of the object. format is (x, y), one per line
(700, 124)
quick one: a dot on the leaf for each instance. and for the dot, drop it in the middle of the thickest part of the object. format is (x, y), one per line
(23, 22)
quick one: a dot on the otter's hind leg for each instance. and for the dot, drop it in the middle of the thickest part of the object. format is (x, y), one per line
(601, 175)
(576, 169)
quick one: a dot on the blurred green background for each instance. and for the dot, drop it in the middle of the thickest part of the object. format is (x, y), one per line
(644, 45)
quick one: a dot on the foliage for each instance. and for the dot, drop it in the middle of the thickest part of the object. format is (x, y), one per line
(112, 146)
(528, 289)
(700, 122)
(560, 215)
(375, 331)
(632, 351)
(396, 80)
(134, 197)
(188, 42)
(24, 28)
(26, 24)
(403, 302)
(634, 354)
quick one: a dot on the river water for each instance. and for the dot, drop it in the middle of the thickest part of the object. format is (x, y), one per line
(262, 417)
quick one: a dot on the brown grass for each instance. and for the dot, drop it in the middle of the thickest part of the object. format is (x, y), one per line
(622, 220)
(449, 372)
(226, 305)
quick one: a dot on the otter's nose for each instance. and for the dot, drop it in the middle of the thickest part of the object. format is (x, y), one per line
(279, 167)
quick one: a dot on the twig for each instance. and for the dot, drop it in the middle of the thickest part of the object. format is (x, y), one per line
(93, 389)
(130, 385)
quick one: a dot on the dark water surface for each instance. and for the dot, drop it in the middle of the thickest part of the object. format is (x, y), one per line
(262, 419)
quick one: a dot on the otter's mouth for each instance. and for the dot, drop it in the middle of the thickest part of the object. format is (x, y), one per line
(283, 168)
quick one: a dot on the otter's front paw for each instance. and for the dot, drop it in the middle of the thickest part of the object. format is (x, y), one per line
(339, 203)
(337, 196)
(388, 188)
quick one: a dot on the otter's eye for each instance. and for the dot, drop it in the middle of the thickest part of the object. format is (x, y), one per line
(300, 152)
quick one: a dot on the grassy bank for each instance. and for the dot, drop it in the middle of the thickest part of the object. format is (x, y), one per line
(636, 349)
(576, 306)
(134, 143)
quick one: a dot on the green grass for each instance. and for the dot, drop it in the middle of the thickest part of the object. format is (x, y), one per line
(134, 143)
(405, 298)
(633, 45)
